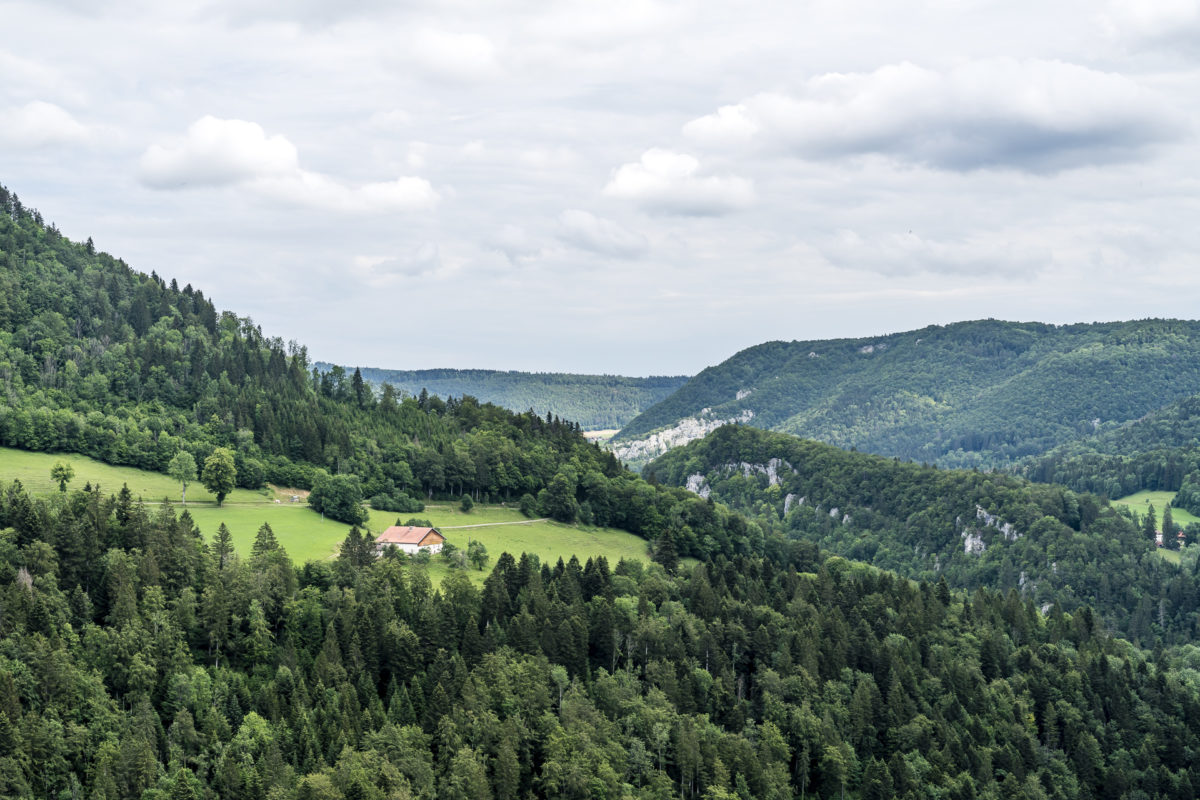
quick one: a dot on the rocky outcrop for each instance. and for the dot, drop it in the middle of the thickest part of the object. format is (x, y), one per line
(684, 431)
(770, 469)
(696, 484)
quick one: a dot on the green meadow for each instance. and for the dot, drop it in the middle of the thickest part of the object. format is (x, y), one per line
(33, 470)
(1141, 502)
(308, 536)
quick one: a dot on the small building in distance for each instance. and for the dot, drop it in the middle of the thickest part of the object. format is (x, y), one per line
(409, 539)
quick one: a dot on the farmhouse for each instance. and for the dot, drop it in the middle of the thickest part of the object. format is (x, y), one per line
(409, 539)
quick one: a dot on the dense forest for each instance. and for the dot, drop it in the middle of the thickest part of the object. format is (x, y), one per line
(981, 393)
(138, 660)
(596, 402)
(1160, 451)
(974, 529)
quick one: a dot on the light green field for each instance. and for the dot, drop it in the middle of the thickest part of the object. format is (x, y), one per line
(33, 470)
(306, 535)
(1171, 556)
(1142, 501)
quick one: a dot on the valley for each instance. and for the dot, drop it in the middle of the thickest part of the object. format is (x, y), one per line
(758, 615)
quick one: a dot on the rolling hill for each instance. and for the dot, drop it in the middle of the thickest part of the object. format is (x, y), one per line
(595, 402)
(981, 393)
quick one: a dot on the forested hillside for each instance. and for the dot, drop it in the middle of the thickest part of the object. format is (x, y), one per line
(1160, 451)
(596, 402)
(99, 359)
(975, 529)
(969, 394)
(137, 661)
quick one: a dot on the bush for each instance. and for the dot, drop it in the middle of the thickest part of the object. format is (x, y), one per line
(339, 497)
(467, 504)
(398, 501)
(528, 505)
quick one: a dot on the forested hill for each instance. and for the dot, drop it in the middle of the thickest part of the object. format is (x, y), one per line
(1160, 451)
(164, 668)
(973, 393)
(595, 402)
(973, 528)
(130, 369)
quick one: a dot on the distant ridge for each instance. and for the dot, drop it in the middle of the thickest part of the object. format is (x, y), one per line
(596, 402)
(981, 393)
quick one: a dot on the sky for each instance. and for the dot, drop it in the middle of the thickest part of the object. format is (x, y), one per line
(630, 186)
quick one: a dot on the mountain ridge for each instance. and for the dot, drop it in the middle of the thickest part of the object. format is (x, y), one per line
(595, 401)
(975, 393)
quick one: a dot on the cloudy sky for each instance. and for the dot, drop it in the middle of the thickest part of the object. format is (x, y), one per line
(626, 186)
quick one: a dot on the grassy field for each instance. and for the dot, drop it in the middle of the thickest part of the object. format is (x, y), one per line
(33, 470)
(307, 536)
(1142, 501)
(1171, 556)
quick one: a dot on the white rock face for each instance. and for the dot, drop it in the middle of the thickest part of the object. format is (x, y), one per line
(791, 500)
(973, 542)
(770, 469)
(684, 431)
(742, 394)
(696, 484)
(992, 521)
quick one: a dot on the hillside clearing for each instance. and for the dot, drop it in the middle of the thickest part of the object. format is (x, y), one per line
(308, 536)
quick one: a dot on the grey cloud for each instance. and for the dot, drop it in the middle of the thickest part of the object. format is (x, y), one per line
(1030, 115)
(986, 255)
(424, 260)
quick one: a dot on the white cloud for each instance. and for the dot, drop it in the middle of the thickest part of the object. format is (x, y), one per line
(731, 125)
(1152, 21)
(670, 182)
(391, 121)
(516, 243)
(218, 152)
(225, 152)
(599, 235)
(549, 158)
(464, 57)
(1025, 114)
(39, 124)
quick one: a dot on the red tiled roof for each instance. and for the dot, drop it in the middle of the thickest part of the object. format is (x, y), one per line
(404, 534)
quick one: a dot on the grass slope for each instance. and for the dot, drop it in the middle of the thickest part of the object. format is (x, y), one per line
(1141, 502)
(33, 470)
(307, 536)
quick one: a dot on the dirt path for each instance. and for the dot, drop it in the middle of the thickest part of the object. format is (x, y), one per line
(491, 524)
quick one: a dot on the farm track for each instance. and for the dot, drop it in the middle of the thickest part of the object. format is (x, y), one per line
(491, 524)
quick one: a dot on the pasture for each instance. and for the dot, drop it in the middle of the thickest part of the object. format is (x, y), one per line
(307, 535)
(1141, 502)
